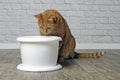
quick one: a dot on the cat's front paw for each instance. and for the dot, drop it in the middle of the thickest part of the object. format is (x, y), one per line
(60, 60)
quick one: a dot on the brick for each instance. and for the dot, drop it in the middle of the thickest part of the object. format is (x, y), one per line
(75, 13)
(89, 1)
(10, 38)
(2, 38)
(114, 32)
(16, 12)
(9, 32)
(98, 14)
(63, 13)
(117, 2)
(93, 32)
(102, 39)
(5, 6)
(25, 7)
(35, 6)
(85, 39)
(3, 12)
(36, 1)
(47, 1)
(61, 6)
(74, 20)
(93, 20)
(59, 1)
(14, 1)
(102, 20)
(8, 25)
(103, 1)
(45, 6)
(75, 7)
(9, 19)
(104, 7)
(80, 13)
(89, 7)
(28, 19)
(74, 26)
(88, 20)
(31, 26)
(32, 12)
(16, 6)
(114, 20)
(89, 26)
(74, 1)
(31, 1)
(116, 39)
(82, 26)
(115, 14)
(29, 32)
(114, 8)
(107, 26)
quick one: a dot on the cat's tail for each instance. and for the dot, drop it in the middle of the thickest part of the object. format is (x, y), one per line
(90, 55)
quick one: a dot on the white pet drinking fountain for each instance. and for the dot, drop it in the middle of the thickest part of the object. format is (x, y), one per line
(39, 53)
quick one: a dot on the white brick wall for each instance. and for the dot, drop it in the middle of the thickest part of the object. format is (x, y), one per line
(91, 21)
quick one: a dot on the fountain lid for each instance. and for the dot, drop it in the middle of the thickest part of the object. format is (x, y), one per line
(38, 38)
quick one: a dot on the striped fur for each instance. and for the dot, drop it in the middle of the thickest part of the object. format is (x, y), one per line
(90, 55)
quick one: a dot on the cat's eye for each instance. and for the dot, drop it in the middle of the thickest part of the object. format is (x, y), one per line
(39, 20)
(53, 19)
(50, 22)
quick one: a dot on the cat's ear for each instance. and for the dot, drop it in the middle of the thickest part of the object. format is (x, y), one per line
(38, 16)
(53, 19)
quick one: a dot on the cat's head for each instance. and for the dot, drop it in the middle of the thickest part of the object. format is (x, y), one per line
(50, 23)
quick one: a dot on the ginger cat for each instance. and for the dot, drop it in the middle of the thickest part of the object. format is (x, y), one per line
(51, 23)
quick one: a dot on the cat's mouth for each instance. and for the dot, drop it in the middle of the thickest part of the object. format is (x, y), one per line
(46, 34)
